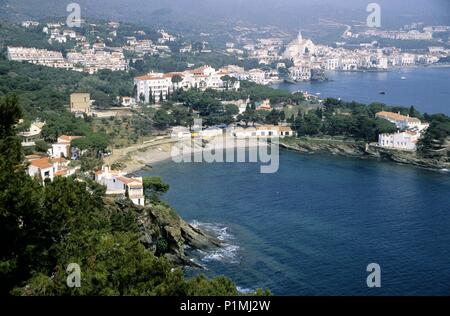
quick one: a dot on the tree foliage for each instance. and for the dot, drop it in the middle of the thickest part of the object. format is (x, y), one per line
(45, 228)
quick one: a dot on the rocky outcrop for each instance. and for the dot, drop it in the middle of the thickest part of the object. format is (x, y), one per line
(366, 151)
(334, 148)
(406, 157)
(164, 232)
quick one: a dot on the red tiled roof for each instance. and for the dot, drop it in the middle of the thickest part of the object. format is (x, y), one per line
(396, 116)
(42, 163)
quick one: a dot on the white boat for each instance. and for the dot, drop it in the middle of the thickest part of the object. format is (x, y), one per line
(403, 78)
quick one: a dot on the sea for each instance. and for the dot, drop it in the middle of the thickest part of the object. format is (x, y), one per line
(317, 226)
(426, 88)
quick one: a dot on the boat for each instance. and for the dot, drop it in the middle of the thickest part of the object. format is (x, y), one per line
(403, 78)
(382, 92)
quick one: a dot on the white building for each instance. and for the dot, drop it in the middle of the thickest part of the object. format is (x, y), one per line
(159, 85)
(29, 24)
(153, 85)
(332, 64)
(127, 101)
(299, 47)
(402, 121)
(32, 134)
(62, 148)
(300, 73)
(263, 131)
(408, 59)
(48, 168)
(401, 140)
(118, 184)
(257, 76)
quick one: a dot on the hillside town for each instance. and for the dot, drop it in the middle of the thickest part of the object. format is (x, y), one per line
(307, 60)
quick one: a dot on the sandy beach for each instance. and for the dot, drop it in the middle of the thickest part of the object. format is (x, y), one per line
(160, 149)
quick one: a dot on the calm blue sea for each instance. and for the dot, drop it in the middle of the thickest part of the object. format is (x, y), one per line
(428, 89)
(313, 227)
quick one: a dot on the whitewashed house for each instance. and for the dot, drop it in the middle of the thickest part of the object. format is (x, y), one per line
(42, 168)
(48, 168)
(117, 183)
(402, 121)
(62, 148)
(160, 85)
(263, 131)
(401, 140)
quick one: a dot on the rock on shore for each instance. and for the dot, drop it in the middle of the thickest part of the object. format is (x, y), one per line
(159, 222)
(366, 151)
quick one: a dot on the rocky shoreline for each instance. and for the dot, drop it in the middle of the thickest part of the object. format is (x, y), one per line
(158, 223)
(365, 151)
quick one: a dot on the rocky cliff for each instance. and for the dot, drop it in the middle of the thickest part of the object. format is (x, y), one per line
(163, 231)
(366, 151)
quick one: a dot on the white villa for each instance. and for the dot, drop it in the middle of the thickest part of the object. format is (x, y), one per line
(410, 131)
(62, 148)
(48, 168)
(264, 131)
(160, 85)
(402, 121)
(401, 140)
(32, 134)
(117, 183)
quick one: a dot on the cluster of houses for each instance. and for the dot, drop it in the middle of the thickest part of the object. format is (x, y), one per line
(410, 130)
(411, 35)
(95, 58)
(56, 161)
(257, 131)
(157, 86)
(42, 57)
(309, 58)
(47, 168)
(87, 59)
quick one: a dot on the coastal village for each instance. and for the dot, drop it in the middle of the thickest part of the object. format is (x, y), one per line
(164, 148)
(299, 60)
(307, 60)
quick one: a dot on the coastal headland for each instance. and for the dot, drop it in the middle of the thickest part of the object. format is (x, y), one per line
(355, 149)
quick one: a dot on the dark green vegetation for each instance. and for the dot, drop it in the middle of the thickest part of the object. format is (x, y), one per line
(45, 228)
(338, 118)
(46, 90)
(210, 106)
(179, 61)
(154, 188)
(357, 121)
(436, 141)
